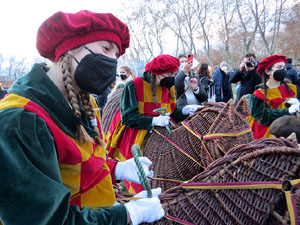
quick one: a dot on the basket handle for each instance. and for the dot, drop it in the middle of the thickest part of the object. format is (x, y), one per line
(136, 152)
(162, 111)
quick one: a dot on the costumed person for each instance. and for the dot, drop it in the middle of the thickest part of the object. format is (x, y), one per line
(56, 171)
(126, 75)
(142, 95)
(270, 100)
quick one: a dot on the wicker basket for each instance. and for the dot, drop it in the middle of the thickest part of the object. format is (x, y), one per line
(260, 160)
(110, 109)
(243, 105)
(169, 163)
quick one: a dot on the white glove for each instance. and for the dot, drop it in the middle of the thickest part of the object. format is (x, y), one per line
(293, 101)
(161, 121)
(294, 108)
(295, 105)
(190, 109)
(146, 209)
(128, 170)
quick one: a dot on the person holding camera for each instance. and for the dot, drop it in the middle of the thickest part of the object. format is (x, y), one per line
(247, 75)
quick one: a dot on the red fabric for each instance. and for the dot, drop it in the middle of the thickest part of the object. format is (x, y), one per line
(258, 130)
(275, 102)
(65, 31)
(68, 153)
(270, 61)
(285, 92)
(139, 88)
(76, 201)
(92, 173)
(163, 64)
(112, 167)
(63, 144)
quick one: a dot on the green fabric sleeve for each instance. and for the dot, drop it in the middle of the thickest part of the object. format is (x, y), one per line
(31, 190)
(256, 109)
(130, 110)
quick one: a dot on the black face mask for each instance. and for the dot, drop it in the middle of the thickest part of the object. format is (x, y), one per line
(167, 82)
(123, 77)
(95, 72)
(279, 75)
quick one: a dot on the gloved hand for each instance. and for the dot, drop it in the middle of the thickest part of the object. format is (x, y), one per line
(293, 101)
(145, 209)
(161, 121)
(294, 108)
(295, 105)
(128, 170)
(190, 109)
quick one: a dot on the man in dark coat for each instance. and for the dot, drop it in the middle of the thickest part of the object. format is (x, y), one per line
(247, 75)
(291, 73)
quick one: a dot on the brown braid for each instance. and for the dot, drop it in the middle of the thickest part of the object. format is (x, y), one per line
(287, 87)
(153, 87)
(72, 98)
(87, 105)
(265, 78)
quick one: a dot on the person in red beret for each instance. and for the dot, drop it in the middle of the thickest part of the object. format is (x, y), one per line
(53, 166)
(273, 98)
(142, 95)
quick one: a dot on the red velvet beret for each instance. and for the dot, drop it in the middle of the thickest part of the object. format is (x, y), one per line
(65, 31)
(270, 61)
(163, 64)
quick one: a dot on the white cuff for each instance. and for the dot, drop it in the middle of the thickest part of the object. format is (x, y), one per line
(197, 91)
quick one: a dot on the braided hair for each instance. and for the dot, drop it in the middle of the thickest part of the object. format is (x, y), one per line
(75, 104)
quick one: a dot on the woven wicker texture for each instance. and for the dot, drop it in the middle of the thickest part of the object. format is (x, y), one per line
(110, 109)
(260, 160)
(170, 163)
(243, 106)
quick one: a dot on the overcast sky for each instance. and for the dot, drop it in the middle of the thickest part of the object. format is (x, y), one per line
(20, 20)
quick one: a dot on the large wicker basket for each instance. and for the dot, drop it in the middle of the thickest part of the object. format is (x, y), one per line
(110, 109)
(166, 150)
(264, 160)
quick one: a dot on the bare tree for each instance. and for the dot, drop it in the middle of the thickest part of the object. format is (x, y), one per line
(228, 11)
(267, 15)
(289, 37)
(203, 10)
(173, 18)
(246, 26)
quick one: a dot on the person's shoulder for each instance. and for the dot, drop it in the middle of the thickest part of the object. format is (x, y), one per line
(16, 119)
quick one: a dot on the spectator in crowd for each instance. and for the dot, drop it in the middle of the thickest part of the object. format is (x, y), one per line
(291, 73)
(182, 59)
(247, 76)
(3, 91)
(270, 100)
(53, 166)
(126, 75)
(142, 95)
(223, 88)
(189, 90)
(206, 80)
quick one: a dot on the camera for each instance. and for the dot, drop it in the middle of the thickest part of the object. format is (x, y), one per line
(250, 64)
